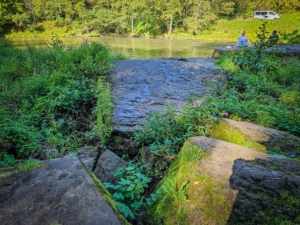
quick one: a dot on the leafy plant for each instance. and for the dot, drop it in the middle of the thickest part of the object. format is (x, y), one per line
(104, 110)
(128, 192)
(256, 59)
(263, 89)
(7, 160)
(173, 196)
(50, 95)
(165, 131)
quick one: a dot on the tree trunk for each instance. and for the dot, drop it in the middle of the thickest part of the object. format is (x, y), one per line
(170, 26)
(132, 31)
(69, 19)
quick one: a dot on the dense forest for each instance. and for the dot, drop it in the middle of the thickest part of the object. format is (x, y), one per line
(153, 17)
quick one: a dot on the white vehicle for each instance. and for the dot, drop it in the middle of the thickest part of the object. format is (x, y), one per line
(266, 15)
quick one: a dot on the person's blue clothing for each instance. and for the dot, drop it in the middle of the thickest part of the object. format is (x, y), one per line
(242, 41)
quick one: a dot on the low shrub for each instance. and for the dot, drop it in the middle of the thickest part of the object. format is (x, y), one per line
(50, 95)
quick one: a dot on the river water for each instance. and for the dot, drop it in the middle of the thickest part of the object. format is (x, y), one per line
(135, 48)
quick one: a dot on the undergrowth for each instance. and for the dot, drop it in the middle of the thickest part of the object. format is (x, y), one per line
(48, 97)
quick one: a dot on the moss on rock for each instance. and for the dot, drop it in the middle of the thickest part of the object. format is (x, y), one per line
(256, 137)
(107, 196)
(223, 131)
(189, 197)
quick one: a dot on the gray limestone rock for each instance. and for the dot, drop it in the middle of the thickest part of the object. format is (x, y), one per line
(60, 191)
(142, 86)
(88, 155)
(108, 163)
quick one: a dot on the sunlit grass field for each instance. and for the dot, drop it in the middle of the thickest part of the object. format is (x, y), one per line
(229, 30)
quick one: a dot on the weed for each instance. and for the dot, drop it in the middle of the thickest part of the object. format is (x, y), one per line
(30, 164)
(7, 160)
(128, 192)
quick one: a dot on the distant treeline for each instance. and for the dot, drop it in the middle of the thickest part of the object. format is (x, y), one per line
(153, 17)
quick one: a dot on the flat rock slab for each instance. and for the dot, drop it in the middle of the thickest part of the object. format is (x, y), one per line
(61, 192)
(141, 86)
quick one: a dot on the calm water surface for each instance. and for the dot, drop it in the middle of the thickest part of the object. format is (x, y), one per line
(136, 48)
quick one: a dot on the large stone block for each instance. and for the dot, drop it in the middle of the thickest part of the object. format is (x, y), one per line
(108, 163)
(60, 192)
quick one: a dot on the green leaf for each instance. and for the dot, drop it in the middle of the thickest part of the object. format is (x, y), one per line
(118, 196)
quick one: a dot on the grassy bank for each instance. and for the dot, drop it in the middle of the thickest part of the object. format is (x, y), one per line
(229, 30)
(49, 99)
(222, 30)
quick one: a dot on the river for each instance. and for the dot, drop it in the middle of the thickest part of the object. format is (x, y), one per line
(135, 48)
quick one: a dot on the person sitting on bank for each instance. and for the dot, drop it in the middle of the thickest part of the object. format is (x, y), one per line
(242, 40)
(273, 39)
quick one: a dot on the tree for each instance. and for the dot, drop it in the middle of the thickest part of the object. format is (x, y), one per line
(201, 15)
(8, 8)
(278, 6)
(167, 10)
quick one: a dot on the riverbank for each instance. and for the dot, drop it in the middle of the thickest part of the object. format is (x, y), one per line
(223, 30)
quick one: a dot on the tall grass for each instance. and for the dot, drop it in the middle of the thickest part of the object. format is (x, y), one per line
(49, 96)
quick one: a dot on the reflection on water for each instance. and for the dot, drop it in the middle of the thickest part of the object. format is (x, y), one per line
(135, 47)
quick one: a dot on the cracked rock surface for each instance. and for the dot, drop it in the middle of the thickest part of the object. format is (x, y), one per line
(141, 86)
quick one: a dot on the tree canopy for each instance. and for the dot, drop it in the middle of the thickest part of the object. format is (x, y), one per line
(133, 16)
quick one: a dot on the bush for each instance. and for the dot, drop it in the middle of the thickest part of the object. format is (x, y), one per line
(49, 95)
(263, 89)
(128, 192)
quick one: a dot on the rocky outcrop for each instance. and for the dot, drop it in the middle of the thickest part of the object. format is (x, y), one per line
(256, 137)
(60, 192)
(224, 183)
(141, 86)
(268, 191)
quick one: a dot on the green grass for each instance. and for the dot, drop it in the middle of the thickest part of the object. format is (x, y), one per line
(229, 30)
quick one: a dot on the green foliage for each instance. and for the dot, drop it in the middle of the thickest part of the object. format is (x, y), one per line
(50, 95)
(146, 17)
(30, 164)
(227, 63)
(106, 195)
(165, 131)
(172, 197)
(256, 60)
(104, 110)
(7, 160)
(16, 132)
(129, 189)
(288, 74)
(263, 89)
(56, 43)
(192, 154)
